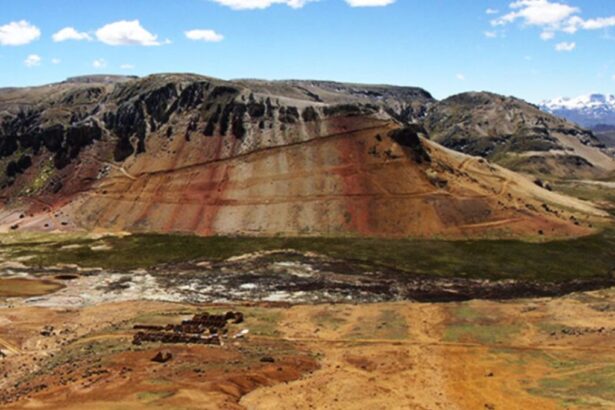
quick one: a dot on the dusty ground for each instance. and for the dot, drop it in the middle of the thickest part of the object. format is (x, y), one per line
(71, 358)
(521, 354)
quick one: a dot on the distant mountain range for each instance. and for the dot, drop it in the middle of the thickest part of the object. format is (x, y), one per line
(587, 110)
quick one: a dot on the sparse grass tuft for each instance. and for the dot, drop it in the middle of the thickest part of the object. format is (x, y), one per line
(389, 324)
(580, 385)
(489, 334)
(329, 318)
(467, 324)
(262, 321)
(151, 396)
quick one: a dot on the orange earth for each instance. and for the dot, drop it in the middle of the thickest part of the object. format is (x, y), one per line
(524, 354)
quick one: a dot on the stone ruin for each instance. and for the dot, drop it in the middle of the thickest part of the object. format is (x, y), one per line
(202, 329)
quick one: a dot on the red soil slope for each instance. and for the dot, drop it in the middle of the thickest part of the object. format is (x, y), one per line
(334, 170)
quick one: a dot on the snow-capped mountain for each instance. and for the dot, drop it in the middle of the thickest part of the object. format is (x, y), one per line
(586, 110)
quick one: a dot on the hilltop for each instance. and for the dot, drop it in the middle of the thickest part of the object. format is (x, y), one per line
(518, 135)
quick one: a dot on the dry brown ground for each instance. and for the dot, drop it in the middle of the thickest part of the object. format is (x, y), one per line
(546, 353)
(462, 356)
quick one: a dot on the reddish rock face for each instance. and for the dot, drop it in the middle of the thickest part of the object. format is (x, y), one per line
(196, 155)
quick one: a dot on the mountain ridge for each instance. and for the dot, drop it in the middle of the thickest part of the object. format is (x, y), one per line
(587, 110)
(193, 154)
(518, 135)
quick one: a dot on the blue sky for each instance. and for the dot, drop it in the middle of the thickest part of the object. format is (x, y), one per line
(534, 49)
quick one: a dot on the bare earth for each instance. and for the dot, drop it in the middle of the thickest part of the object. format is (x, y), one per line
(522, 354)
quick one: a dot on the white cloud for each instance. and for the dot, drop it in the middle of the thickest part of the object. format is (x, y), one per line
(99, 63)
(602, 22)
(127, 67)
(491, 34)
(575, 23)
(204, 35)
(552, 16)
(18, 33)
(492, 11)
(69, 33)
(547, 35)
(123, 33)
(260, 4)
(564, 46)
(296, 4)
(369, 3)
(537, 13)
(460, 77)
(33, 60)
(55, 61)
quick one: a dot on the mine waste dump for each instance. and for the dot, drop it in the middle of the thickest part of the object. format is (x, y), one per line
(204, 329)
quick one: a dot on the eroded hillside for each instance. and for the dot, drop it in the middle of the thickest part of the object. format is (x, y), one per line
(186, 153)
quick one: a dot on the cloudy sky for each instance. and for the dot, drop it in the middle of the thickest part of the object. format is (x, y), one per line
(534, 49)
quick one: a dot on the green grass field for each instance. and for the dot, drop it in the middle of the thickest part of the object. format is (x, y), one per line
(592, 256)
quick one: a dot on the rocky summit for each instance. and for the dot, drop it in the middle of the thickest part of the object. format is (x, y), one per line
(193, 154)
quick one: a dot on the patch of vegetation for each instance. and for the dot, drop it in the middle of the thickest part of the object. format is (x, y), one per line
(262, 321)
(587, 257)
(574, 379)
(481, 333)
(467, 313)
(549, 327)
(46, 172)
(74, 353)
(513, 357)
(328, 318)
(560, 362)
(161, 318)
(389, 324)
(588, 192)
(470, 325)
(151, 396)
(586, 387)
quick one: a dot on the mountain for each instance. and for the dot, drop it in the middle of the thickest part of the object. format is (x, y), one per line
(193, 154)
(517, 135)
(587, 110)
(606, 135)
